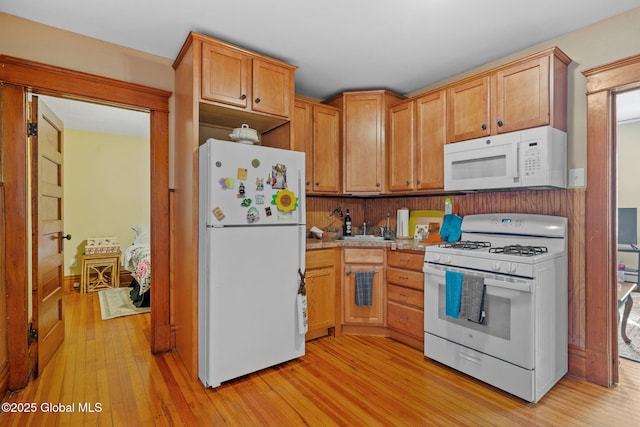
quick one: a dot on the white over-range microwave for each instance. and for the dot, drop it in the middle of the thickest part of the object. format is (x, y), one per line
(534, 157)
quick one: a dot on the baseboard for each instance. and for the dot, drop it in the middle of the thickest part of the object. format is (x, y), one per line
(577, 361)
(71, 283)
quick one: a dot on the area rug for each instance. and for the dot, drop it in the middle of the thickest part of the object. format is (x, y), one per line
(116, 302)
(631, 351)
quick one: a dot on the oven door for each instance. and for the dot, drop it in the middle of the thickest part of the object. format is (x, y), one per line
(507, 331)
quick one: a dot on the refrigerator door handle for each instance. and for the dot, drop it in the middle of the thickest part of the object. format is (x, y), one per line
(300, 187)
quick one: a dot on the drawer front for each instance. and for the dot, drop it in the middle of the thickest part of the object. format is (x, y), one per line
(408, 260)
(405, 319)
(405, 296)
(411, 279)
(320, 258)
(364, 256)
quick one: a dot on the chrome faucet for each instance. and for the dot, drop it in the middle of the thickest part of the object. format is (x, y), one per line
(364, 228)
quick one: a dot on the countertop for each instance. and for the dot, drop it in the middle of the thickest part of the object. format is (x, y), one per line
(409, 245)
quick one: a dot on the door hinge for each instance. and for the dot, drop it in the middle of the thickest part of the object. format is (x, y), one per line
(32, 129)
(33, 335)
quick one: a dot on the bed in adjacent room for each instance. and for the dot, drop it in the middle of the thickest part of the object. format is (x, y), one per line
(137, 259)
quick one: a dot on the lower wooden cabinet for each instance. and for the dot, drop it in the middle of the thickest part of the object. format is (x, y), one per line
(321, 292)
(364, 260)
(405, 297)
(397, 293)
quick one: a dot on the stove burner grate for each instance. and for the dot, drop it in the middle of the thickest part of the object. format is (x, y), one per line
(520, 250)
(465, 244)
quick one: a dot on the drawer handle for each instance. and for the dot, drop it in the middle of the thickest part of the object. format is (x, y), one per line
(402, 316)
(402, 294)
(403, 277)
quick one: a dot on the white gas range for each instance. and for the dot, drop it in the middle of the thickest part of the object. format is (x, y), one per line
(511, 269)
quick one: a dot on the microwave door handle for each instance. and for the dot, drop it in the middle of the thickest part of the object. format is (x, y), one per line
(515, 163)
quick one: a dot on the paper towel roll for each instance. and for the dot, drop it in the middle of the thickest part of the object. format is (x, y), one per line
(402, 227)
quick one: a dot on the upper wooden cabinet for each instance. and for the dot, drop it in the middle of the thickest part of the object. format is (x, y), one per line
(416, 138)
(526, 93)
(235, 86)
(316, 131)
(468, 109)
(364, 122)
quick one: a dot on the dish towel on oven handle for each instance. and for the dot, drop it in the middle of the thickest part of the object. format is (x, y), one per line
(453, 293)
(364, 288)
(472, 301)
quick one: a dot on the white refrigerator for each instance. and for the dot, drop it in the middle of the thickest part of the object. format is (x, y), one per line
(251, 249)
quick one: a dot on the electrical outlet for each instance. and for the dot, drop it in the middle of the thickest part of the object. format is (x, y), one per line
(576, 177)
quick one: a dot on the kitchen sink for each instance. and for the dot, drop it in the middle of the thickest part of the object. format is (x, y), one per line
(364, 238)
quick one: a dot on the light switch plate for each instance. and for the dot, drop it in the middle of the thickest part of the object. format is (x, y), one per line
(576, 177)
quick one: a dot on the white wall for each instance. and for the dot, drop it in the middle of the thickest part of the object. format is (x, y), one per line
(106, 189)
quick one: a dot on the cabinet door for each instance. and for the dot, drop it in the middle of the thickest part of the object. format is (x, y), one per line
(522, 96)
(468, 110)
(401, 147)
(364, 144)
(321, 284)
(225, 75)
(430, 139)
(272, 88)
(326, 149)
(302, 123)
(371, 315)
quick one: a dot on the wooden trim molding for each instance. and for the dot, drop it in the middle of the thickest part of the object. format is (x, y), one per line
(18, 76)
(66, 83)
(603, 83)
(13, 138)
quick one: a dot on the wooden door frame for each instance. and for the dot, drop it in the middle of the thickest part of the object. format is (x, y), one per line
(17, 77)
(603, 83)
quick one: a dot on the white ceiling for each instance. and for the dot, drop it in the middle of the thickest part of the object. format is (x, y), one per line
(401, 45)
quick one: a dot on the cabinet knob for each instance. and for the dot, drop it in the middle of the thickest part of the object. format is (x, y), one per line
(377, 184)
(243, 96)
(317, 182)
(500, 123)
(257, 100)
(307, 183)
(418, 181)
(484, 126)
(408, 182)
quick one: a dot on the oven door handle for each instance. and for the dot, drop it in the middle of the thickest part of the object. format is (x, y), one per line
(515, 286)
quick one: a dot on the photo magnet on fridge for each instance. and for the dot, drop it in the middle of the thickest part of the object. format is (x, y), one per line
(242, 173)
(279, 176)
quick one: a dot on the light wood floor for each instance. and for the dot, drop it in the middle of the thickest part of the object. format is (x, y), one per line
(349, 381)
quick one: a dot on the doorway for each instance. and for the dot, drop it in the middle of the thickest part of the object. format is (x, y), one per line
(627, 112)
(18, 76)
(106, 176)
(603, 84)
